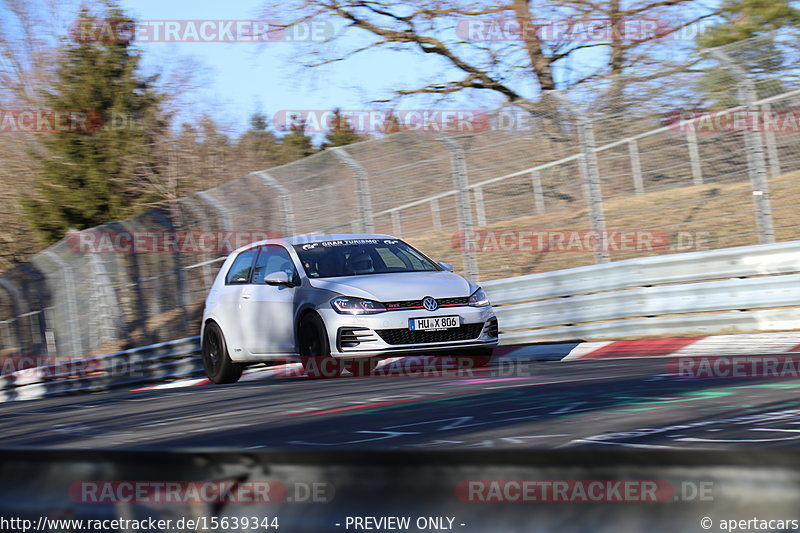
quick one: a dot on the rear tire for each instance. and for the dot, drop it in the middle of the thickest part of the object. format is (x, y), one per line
(218, 365)
(315, 350)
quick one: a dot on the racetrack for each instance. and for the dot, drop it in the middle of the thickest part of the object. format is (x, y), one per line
(630, 402)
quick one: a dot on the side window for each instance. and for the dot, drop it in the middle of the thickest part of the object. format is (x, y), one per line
(240, 269)
(274, 258)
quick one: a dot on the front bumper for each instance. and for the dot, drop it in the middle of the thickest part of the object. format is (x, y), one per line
(387, 334)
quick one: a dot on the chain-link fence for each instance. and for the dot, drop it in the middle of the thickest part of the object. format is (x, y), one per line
(640, 167)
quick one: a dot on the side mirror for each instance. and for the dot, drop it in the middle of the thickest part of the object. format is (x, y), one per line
(278, 278)
(447, 266)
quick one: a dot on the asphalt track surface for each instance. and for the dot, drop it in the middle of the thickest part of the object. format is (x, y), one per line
(610, 403)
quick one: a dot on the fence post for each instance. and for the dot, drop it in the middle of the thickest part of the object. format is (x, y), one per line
(756, 165)
(772, 148)
(42, 299)
(180, 274)
(362, 188)
(694, 155)
(397, 225)
(110, 313)
(284, 202)
(636, 166)
(75, 344)
(462, 202)
(480, 207)
(591, 174)
(13, 293)
(224, 212)
(538, 192)
(436, 215)
(224, 216)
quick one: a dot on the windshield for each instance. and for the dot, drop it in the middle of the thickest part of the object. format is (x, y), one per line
(357, 257)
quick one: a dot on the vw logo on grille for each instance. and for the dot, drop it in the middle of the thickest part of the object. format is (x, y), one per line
(430, 304)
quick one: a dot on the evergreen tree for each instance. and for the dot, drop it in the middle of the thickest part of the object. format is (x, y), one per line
(258, 143)
(341, 132)
(743, 19)
(102, 172)
(763, 57)
(296, 144)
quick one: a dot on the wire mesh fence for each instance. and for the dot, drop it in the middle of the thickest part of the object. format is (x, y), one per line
(643, 168)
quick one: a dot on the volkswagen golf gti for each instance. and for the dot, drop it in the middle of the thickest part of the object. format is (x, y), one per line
(340, 302)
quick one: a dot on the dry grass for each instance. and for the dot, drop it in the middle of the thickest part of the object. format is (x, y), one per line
(720, 215)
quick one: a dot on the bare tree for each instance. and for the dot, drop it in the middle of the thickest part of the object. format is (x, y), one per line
(518, 64)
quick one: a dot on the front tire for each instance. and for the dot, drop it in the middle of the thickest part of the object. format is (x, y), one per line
(315, 350)
(219, 367)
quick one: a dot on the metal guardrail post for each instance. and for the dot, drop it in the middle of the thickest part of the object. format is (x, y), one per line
(591, 174)
(757, 168)
(75, 343)
(284, 202)
(636, 166)
(462, 202)
(362, 188)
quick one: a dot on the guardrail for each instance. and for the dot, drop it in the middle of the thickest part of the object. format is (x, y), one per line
(748, 289)
(147, 364)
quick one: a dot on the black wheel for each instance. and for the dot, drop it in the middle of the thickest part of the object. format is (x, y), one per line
(216, 362)
(474, 358)
(315, 351)
(363, 366)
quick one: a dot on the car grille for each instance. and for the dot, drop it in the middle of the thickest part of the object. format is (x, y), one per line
(406, 336)
(417, 304)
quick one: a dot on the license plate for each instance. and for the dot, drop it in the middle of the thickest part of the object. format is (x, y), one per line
(434, 323)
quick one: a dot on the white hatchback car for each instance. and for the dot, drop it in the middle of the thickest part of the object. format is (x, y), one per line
(340, 302)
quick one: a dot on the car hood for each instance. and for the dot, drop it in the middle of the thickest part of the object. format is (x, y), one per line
(399, 286)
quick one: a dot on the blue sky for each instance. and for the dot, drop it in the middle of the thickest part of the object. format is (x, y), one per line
(234, 80)
(241, 78)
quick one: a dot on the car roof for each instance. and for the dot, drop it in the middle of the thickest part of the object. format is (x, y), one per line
(303, 239)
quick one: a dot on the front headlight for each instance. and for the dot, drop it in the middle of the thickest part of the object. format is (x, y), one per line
(348, 305)
(478, 299)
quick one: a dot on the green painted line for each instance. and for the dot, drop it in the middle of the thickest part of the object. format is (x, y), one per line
(708, 395)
